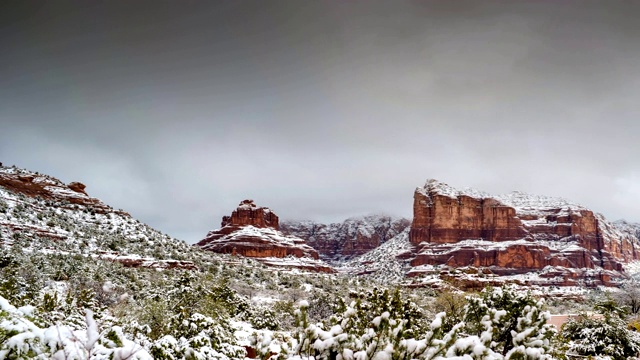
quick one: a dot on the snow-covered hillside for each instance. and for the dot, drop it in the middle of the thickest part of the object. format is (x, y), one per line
(388, 263)
(79, 279)
(40, 212)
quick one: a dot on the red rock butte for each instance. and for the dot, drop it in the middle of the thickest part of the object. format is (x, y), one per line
(516, 233)
(252, 231)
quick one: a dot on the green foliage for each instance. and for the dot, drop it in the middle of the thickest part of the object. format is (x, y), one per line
(370, 304)
(609, 308)
(18, 284)
(262, 317)
(513, 320)
(452, 304)
(6, 258)
(605, 335)
(322, 305)
(197, 337)
(49, 303)
(285, 311)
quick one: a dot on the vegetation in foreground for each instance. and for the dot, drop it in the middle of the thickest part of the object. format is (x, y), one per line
(71, 307)
(57, 300)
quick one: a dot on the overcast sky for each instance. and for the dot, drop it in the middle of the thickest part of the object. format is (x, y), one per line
(177, 111)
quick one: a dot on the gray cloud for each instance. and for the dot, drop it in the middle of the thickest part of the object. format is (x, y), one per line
(322, 110)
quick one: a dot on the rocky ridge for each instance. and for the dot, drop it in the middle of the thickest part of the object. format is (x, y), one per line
(462, 236)
(43, 214)
(50, 189)
(337, 242)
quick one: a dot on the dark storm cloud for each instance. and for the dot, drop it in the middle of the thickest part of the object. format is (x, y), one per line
(322, 110)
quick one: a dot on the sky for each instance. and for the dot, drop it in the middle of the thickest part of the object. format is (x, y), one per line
(177, 110)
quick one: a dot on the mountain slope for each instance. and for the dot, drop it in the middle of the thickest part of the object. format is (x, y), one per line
(387, 263)
(79, 279)
(41, 213)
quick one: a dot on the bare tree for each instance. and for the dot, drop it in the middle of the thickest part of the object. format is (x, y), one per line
(629, 296)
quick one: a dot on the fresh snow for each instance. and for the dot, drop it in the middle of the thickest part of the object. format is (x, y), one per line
(382, 263)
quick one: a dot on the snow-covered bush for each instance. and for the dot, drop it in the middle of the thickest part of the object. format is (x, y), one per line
(501, 324)
(358, 333)
(197, 337)
(270, 345)
(21, 338)
(371, 304)
(261, 317)
(605, 335)
(451, 303)
(322, 305)
(510, 322)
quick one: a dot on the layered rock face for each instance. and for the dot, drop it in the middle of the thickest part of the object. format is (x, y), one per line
(516, 233)
(440, 215)
(249, 213)
(48, 188)
(252, 231)
(620, 238)
(350, 238)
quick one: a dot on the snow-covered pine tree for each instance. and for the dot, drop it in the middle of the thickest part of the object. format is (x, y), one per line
(510, 323)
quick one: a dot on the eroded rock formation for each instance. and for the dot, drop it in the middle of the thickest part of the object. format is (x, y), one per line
(516, 233)
(252, 231)
(77, 187)
(440, 217)
(248, 213)
(48, 188)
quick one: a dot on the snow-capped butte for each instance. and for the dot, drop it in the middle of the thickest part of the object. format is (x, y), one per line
(253, 231)
(517, 233)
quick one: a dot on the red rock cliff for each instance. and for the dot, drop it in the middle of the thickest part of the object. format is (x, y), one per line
(249, 213)
(448, 217)
(515, 233)
(48, 188)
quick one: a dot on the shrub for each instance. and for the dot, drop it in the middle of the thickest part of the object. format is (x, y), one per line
(604, 336)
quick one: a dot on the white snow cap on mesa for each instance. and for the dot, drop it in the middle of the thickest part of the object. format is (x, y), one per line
(250, 205)
(433, 186)
(522, 202)
(247, 205)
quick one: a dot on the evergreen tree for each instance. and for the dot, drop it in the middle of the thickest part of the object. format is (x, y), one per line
(510, 322)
